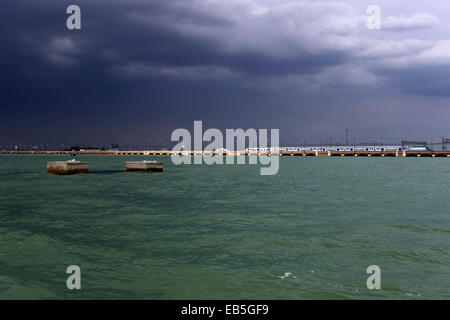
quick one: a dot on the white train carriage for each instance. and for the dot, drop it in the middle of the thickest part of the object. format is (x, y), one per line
(417, 148)
(367, 148)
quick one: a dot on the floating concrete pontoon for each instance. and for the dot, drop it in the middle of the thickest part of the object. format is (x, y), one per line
(144, 166)
(67, 167)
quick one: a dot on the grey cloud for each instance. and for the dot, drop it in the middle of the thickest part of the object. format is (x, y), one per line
(291, 38)
(137, 70)
(417, 21)
(159, 64)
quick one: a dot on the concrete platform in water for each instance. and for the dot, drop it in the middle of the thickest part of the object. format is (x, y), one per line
(144, 166)
(67, 167)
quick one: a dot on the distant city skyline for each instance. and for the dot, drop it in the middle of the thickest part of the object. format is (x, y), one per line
(137, 70)
(436, 143)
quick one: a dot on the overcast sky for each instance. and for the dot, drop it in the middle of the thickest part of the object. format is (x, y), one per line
(139, 69)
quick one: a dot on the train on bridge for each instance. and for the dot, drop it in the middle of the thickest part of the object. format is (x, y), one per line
(392, 148)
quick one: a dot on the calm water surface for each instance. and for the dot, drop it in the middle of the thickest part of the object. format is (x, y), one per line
(225, 232)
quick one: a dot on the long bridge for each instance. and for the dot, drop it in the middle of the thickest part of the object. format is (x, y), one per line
(311, 153)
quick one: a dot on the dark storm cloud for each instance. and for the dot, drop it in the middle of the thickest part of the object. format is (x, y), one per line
(142, 68)
(419, 80)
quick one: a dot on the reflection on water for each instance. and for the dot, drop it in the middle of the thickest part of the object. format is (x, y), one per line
(106, 171)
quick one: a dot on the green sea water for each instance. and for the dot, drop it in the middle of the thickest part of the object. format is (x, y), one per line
(226, 232)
